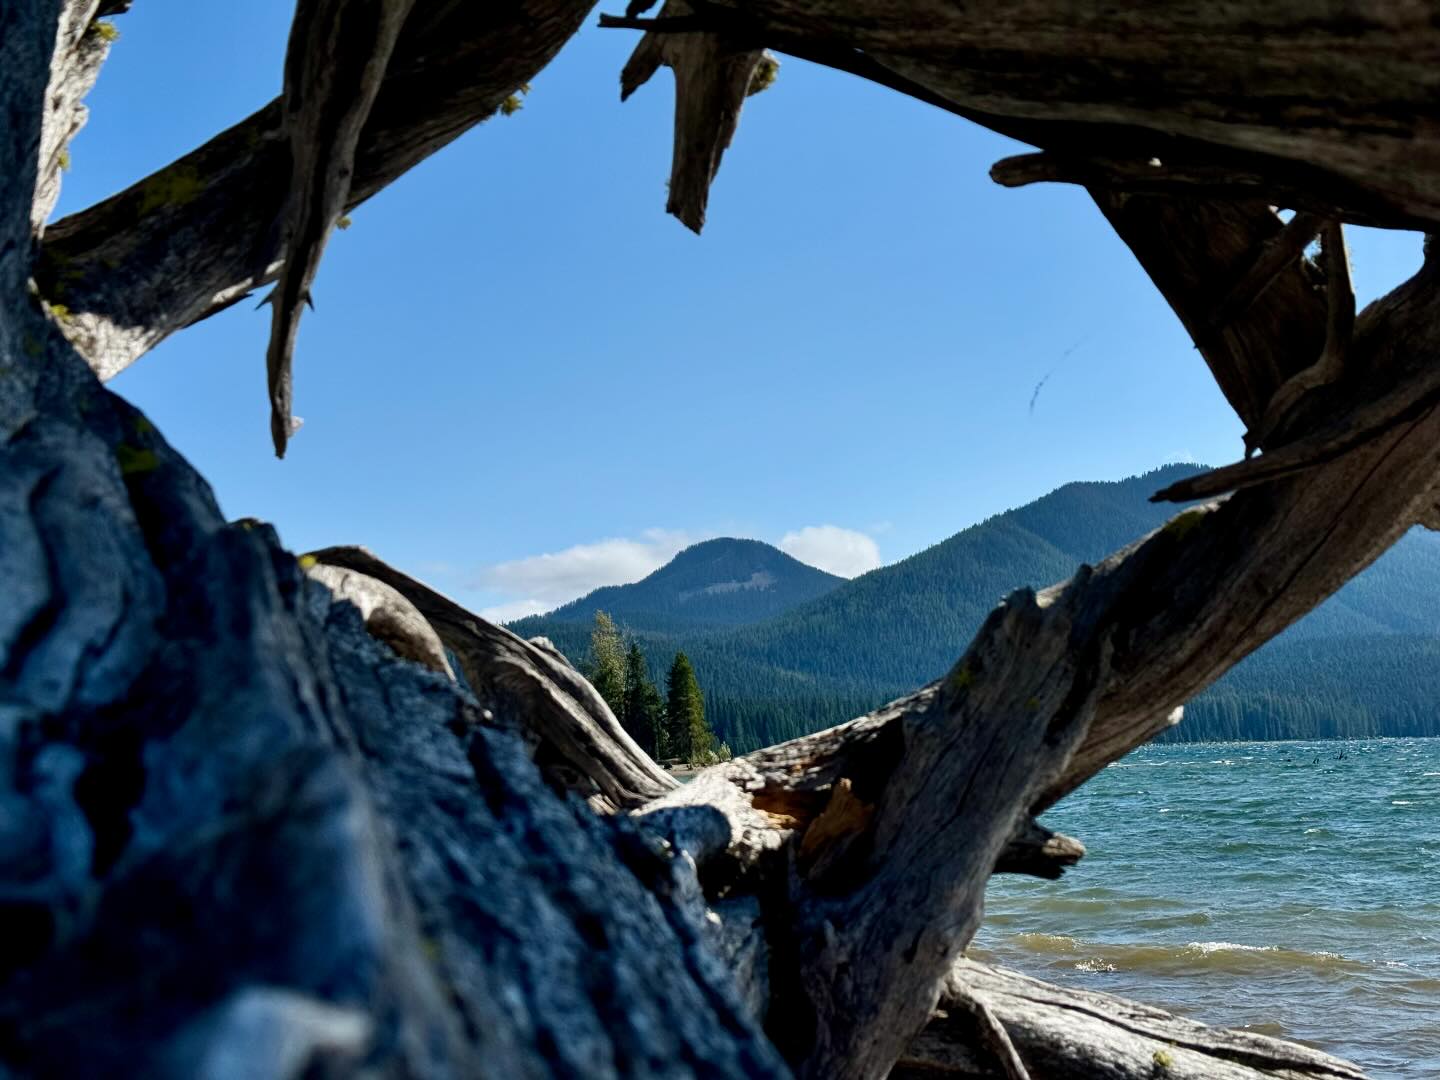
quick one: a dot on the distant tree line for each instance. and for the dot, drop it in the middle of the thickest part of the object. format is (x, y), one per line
(674, 729)
(1295, 688)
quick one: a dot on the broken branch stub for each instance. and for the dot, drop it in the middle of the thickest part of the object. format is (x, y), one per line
(713, 76)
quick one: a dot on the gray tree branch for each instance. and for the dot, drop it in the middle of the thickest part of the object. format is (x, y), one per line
(198, 235)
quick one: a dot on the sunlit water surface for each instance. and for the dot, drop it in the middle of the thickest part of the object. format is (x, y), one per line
(1290, 888)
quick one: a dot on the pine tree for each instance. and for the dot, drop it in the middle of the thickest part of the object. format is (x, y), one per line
(605, 664)
(687, 734)
(641, 713)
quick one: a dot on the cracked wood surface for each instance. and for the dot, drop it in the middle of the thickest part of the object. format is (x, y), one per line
(1064, 1033)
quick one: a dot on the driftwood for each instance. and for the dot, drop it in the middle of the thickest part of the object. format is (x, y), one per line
(210, 215)
(334, 68)
(571, 727)
(1059, 1032)
(1069, 1034)
(327, 860)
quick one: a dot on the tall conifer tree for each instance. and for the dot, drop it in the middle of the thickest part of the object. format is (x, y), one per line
(641, 715)
(605, 665)
(687, 733)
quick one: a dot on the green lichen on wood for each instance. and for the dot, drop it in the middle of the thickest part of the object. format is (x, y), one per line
(962, 678)
(763, 77)
(63, 159)
(1181, 526)
(1163, 1060)
(173, 187)
(134, 460)
(105, 31)
(513, 104)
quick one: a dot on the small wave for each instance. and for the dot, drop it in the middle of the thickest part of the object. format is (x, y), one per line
(1226, 956)
(1163, 922)
(1402, 802)
(1101, 905)
(1236, 847)
(1046, 943)
(1205, 948)
(1273, 1028)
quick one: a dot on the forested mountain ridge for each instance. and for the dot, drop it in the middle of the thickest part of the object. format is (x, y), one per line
(1366, 662)
(716, 583)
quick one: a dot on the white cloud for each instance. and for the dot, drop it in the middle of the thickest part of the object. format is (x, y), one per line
(549, 580)
(514, 609)
(840, 551)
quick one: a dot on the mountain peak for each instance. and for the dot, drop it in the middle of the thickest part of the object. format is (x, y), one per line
(722, 582)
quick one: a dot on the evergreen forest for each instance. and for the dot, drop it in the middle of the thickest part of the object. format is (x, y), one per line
(1366, 663)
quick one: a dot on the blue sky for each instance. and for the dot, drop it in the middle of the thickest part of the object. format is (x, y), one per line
(523, 380)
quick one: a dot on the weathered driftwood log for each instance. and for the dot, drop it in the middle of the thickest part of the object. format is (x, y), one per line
(239, 837)
(1062, 1033)
(82, 42)
(1050, 1031)
(317, 859)
(713, 76)
(197, 235)
(1330, 100)
(389, 617)
(575, 734)
(192, 733)
(335, 65)
(803, 808)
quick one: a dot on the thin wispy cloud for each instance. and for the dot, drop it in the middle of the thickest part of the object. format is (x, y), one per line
(847, 552)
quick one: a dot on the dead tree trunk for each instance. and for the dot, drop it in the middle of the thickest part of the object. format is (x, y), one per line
(234, 827)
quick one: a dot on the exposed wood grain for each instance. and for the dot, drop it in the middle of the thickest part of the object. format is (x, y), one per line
(1274, 257)
(713, 73)
(562, 713)
(1347, 88)
(81, 47)
(388, 616)
(335, 64)
(1071, 1034)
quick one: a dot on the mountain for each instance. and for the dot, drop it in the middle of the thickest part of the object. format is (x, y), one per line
(1366, 662)
(717, 583)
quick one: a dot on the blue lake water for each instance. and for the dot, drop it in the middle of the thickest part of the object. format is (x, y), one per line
(1289, 888)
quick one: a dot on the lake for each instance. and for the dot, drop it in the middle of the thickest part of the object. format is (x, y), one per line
(1289, 888)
